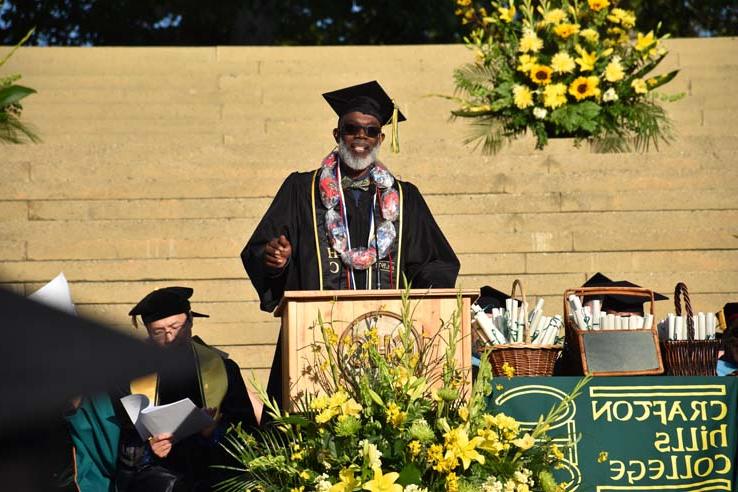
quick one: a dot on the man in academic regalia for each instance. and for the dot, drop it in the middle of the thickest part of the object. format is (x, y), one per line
(204, 375)
(349, 224)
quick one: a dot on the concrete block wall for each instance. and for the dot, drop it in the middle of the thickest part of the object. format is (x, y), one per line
(157, 164)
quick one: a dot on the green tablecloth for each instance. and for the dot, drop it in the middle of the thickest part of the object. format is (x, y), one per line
(637, 434)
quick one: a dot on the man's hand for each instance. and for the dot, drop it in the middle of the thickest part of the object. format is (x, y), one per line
(277, 252)
(161, 445)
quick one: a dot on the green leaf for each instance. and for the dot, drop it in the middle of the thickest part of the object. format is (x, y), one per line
(577, 117)
(374, 396)
(13, 94)
(409, 475)
(663, 79)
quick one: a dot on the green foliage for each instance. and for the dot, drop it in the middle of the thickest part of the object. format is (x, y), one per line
(12, 129)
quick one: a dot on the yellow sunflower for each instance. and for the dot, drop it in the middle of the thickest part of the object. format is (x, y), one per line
(584, 87)
(541, 74)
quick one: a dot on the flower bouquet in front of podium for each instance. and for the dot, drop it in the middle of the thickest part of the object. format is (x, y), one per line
(393, 416)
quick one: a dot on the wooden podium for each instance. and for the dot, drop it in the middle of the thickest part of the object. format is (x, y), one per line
(350, 311)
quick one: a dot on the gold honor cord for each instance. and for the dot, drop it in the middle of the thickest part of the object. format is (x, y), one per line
(399, 235)
(318, 256)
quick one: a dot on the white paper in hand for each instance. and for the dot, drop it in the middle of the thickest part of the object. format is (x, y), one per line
(181, 418)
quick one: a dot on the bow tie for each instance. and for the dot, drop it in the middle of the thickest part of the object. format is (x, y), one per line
(360, 184)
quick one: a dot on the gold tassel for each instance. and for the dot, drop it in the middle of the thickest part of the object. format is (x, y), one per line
(395, 137)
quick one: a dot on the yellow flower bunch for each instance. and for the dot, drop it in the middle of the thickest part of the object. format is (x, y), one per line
(339, 404)
(570, 69)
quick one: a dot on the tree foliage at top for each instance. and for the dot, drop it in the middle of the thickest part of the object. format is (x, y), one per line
(296, 22)
(229, 22)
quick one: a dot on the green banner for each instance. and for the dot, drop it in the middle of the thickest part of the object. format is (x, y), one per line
(636, 434)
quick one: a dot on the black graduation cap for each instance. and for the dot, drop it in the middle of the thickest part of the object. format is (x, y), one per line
(163, 303)
(367, 98)
(490, 298)
(48, 357)
(615, 302)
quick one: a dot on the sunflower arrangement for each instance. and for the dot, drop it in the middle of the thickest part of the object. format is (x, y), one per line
(561, 68)
(403, 420)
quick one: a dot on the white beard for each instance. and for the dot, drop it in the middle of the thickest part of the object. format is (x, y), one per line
(354, 162)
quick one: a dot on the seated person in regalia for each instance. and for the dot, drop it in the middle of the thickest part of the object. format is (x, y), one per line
(201, 373)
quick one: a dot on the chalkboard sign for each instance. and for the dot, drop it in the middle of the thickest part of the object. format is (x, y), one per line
(612, 352)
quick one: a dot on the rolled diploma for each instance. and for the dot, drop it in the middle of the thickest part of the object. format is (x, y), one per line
(610, 323)
(678, 327)
(576, 305)
(535, 324)
(603, 320)
(553, 330)
(648, 322)
(522, 318)
(487, 326)
(671, 319)
(536, 311)
(711, 322)
(596, 318)
(702, 324)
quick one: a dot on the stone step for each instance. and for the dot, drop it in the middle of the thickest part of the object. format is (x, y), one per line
(455, 226)
(448, 181)
(49, 164)
(241, 290)
(179, 270)
(642, 239)
(442, 204)
(485, 242)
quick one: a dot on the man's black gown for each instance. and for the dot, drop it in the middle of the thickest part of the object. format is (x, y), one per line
(427, 259)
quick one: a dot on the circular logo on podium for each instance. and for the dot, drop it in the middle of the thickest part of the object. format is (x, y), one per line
(380, 330)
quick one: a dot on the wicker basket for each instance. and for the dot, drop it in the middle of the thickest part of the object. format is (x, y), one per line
(528, 359)
(576, 358)
(689, 357)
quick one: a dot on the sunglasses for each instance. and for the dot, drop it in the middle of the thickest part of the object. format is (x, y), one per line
(352, 129)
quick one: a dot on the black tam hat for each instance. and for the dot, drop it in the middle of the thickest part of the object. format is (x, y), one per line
(490, 298)
(163, 303)
(620, 303)
(368, 98)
